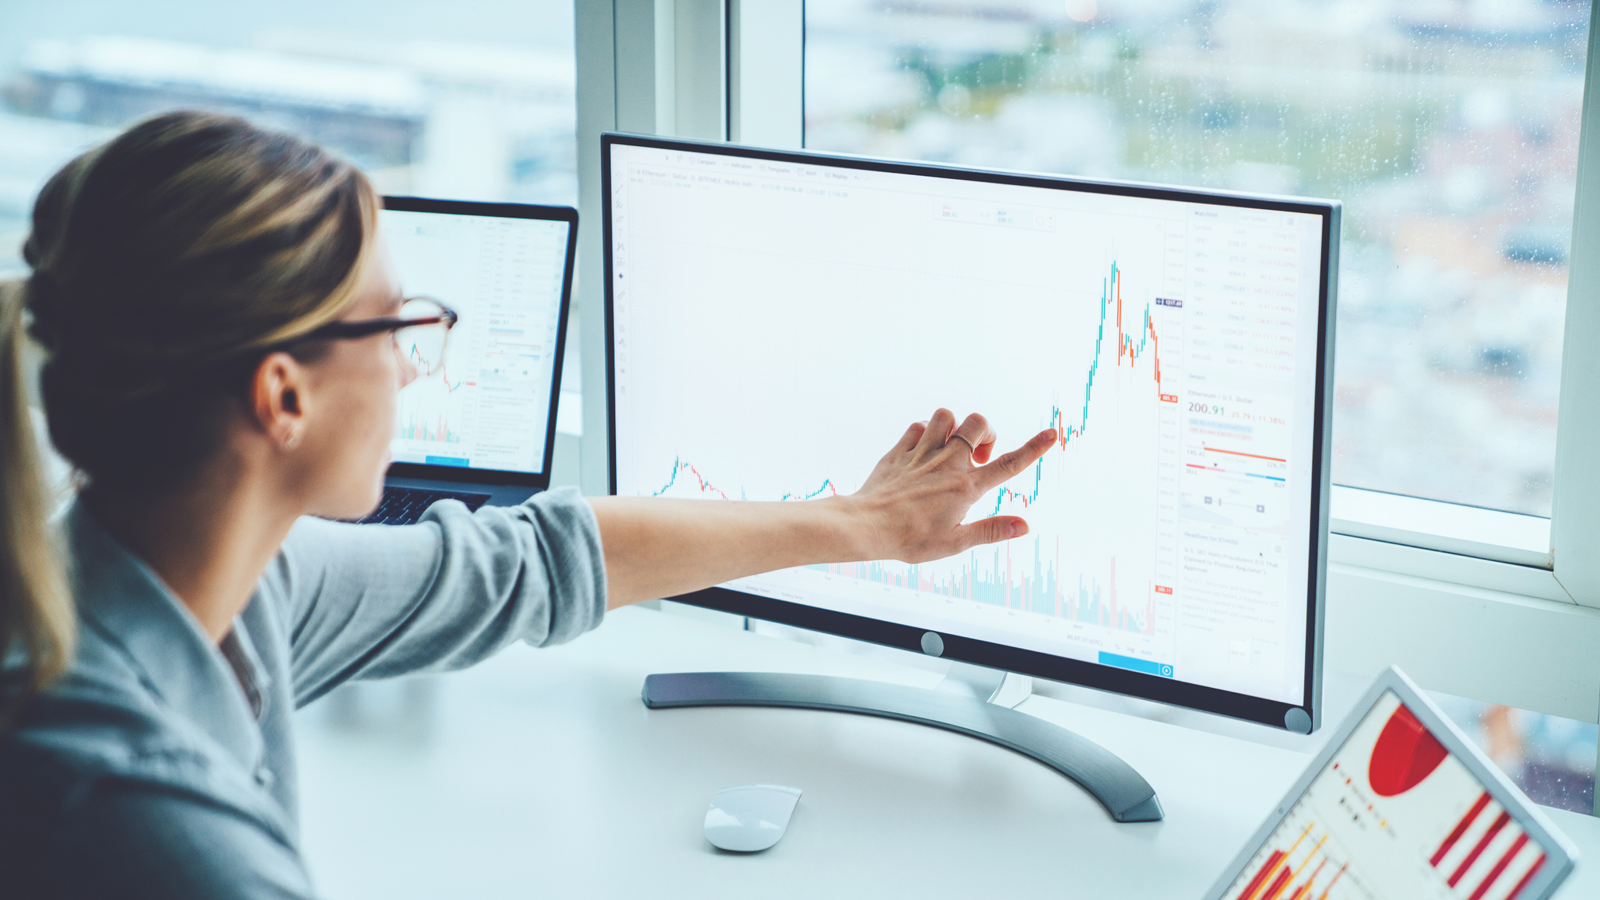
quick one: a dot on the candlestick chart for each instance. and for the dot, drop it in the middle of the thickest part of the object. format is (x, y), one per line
(435, 409)
(1092, 501)
(480, 396)
(432, 409)
(773, 329)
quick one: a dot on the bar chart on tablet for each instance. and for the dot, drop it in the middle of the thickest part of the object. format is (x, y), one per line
(1393, 807)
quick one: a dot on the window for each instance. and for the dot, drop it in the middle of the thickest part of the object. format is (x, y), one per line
(1449, 130)
(1551, 758)
(477, 104)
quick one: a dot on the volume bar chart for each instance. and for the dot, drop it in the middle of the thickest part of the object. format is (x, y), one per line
(1037, 590)
(437, 431)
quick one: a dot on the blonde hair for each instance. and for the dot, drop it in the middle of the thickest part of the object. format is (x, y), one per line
(35, 608)
(164, 266)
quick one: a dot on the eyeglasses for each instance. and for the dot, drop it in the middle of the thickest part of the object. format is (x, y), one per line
(421, 331)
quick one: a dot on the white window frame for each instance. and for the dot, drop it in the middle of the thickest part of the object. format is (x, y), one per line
(1479, 603)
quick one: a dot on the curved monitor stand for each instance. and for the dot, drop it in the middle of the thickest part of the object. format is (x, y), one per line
(958, 704)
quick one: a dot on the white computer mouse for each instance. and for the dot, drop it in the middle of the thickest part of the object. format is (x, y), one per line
(750, 817)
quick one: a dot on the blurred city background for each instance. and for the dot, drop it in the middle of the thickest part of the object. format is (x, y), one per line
(474, 104)
(1449, 129)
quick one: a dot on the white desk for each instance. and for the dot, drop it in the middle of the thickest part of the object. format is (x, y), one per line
(547, 777)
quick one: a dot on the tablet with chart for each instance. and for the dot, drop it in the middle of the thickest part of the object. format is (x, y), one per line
(1399, 804)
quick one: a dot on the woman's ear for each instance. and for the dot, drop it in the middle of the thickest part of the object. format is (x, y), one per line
(278, 399)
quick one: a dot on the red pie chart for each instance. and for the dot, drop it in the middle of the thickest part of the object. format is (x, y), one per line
(1406, 753)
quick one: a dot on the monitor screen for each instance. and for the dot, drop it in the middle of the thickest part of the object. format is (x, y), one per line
(778, 319)
(489, 408)
(1393, 814)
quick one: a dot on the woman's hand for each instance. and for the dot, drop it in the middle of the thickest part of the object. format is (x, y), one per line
(922, 489)
(910, 509)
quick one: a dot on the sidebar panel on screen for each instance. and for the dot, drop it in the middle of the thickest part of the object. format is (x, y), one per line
(777, 324)
(488, 408)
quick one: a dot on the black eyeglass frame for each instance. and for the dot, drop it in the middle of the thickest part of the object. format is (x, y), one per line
(361, 328)
(241, 366)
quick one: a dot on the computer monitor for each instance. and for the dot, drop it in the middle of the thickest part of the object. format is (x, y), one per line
(488, 417)
(776, 319)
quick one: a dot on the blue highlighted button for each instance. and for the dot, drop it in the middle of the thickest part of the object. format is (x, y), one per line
(1147, 666)
(445, 461)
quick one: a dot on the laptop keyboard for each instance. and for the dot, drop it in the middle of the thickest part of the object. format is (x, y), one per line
(404, 506)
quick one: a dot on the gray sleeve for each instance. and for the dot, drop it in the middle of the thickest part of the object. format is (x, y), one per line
(139, 842)
(374, 601)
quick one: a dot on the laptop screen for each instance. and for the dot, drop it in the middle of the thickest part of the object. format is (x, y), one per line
(1393, 814)
(489, 407)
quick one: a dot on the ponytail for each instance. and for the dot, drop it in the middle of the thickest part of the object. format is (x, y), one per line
(36, 615)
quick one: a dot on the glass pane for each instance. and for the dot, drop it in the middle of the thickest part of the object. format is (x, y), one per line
(1552, 759)
(475, 104)
(1449, 129)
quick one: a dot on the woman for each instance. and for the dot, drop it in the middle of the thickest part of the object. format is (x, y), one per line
(218, 314)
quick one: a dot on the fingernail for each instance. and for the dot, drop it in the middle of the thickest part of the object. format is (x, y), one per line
(1015, 529)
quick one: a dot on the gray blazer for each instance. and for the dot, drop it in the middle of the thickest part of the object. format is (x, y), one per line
(163, 765)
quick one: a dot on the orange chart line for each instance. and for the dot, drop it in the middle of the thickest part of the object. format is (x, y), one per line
(1336, 876)
(1307, 861)
(1263, 883)
(1237, 453)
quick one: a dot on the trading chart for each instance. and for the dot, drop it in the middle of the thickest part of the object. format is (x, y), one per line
(776, 326)
(487, 406)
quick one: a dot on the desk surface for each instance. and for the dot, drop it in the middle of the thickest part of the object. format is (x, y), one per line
(545, 776)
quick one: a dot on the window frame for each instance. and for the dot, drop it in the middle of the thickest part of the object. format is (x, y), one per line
(1479, 603)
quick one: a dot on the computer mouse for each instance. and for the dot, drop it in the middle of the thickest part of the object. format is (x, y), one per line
(750, 817)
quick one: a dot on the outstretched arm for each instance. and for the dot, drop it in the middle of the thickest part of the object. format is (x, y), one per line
(911, 508)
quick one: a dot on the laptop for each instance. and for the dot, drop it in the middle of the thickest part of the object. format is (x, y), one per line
(482, 429)
(1400, 804)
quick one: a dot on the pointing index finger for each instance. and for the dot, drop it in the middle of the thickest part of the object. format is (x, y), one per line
(1011, 464)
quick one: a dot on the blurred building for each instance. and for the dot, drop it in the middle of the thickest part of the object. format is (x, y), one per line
(421, 118)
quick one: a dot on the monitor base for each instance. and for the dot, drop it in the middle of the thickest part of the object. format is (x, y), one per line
(1119, 788)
